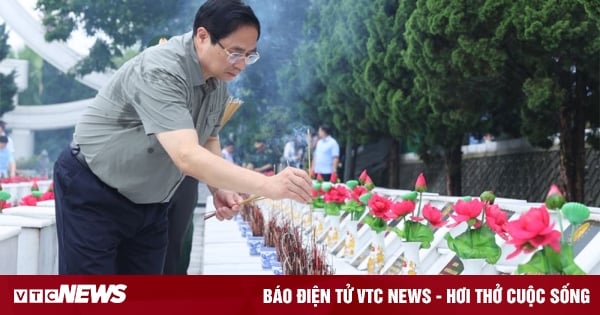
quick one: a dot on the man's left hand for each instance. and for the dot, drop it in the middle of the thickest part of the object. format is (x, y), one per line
(226, 203)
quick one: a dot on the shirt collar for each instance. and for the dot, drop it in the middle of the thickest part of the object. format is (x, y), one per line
(194, 64)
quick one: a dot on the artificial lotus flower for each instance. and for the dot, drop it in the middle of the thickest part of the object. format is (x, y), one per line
(555, 198)
(335, 197)
(417, 228)
(496, 219)
(533, 232)
(29, 200)
(467, 211)
(420, 184)
(365, 180)
(433, 215)
(478, 240)
(354, 204)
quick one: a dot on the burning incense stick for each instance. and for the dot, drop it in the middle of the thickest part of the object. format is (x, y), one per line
(308, 147)
(243, 202)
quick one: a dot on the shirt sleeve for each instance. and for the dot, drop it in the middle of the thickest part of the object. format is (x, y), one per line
(335, 150)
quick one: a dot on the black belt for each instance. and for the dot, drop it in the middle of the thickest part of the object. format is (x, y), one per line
(76, 152)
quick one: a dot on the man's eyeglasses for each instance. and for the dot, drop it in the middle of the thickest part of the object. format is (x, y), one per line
(233, 57)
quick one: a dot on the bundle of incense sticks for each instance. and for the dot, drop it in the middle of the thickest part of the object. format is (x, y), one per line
(243, 202)
(233, 104)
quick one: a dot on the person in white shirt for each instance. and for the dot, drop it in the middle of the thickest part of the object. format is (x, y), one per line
(292, 152)
(327, 155)
(227, 152)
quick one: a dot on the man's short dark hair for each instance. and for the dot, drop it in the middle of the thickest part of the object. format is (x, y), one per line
(326, 128)
(223, 17)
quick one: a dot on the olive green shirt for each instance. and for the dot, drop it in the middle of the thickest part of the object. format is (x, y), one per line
(161, 89)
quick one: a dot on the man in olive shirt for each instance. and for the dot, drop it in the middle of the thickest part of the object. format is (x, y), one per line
(154, 123)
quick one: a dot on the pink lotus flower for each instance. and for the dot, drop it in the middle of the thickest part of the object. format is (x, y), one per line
(365, 180)
(466, 211)
(433, 215)
(357, 192)
(554, 198)
(49, 195)
(421, 184)
(4, 204)
(402, 208)
(496, 219)
(28, 200)
(532, 230)
(363, 177)
(337, 194)
(379, 206)
(554, 190)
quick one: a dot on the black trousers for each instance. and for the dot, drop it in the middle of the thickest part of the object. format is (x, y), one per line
(181, 211)
(99, 230)
(326, 177)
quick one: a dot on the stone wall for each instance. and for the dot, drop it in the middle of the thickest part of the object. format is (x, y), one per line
(519, 172)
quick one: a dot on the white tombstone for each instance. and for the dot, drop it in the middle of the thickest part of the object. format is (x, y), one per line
(46, 203)
(9, 246)
(31, 211)
(37, 244)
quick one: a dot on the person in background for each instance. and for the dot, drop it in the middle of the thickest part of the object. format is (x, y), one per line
(293, 152)
(10, 145)
(227, 151)
(8, 166)
(43, 164)
(153, 126)
(263, 159)
(327, 155)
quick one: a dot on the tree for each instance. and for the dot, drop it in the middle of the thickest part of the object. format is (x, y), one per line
(459, 76)
(8, 88)
(118, 25)
(557, 44)
(386, 80)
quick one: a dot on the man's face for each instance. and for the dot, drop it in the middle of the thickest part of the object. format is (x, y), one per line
(322, 133)
(2, 145)
(216, 61)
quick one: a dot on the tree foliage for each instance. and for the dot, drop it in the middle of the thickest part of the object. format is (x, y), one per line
(458, 68)
(557, 44)
(117, 24)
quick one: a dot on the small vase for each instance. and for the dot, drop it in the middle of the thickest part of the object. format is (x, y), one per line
(244, 228)
(472, 266)
(412, 260)
(277, 268)
(267, 255)
(255, 244)
(376, 258)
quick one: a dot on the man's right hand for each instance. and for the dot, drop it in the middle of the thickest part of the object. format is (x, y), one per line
(291, 183)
